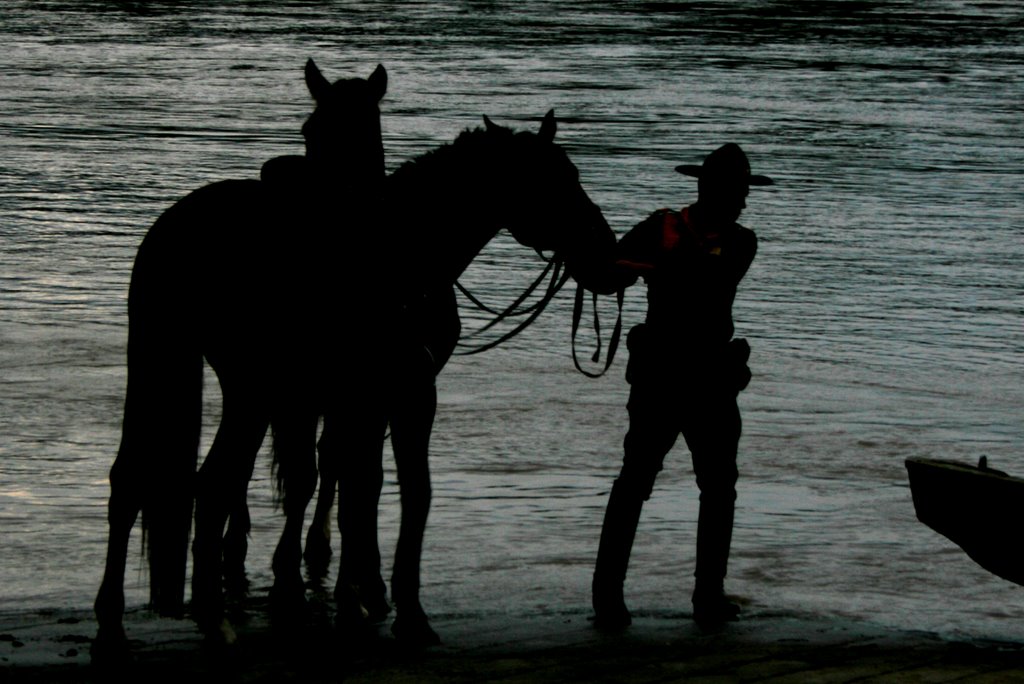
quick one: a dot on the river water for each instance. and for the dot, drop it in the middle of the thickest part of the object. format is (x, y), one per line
(885, 307)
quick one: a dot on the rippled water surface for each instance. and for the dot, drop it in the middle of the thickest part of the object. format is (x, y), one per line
(885, 308)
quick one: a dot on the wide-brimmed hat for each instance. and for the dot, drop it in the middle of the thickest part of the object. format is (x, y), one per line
(727, 164)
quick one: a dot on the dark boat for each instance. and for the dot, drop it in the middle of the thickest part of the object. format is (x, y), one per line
(977, 507)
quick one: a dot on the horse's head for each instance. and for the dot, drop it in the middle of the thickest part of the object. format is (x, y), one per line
(343, 132)
(549, 209)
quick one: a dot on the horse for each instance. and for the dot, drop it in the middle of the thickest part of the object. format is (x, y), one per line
(344, 154)
(464, 193)
(155, 466)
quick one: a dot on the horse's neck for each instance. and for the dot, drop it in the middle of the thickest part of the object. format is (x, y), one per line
(451, 212)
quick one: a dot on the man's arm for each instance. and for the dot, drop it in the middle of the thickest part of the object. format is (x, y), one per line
(638, 250)
(635, 255)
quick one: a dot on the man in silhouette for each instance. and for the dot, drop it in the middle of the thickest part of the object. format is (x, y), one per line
(685, 372)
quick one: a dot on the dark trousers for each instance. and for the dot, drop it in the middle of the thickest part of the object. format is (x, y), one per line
(709, 419)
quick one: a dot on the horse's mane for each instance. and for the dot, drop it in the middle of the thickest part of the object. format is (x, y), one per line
(470, 142)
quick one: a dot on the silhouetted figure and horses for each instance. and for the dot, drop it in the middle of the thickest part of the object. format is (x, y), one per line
(302, 312)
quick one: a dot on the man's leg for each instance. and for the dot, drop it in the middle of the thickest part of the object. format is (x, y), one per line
(712, 432)
(652, 432)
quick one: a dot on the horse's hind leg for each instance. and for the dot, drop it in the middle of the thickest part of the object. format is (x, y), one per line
(236, 539)
(122, 512)
(152, 474)
(236, 547)
(295, 459)
(318, 539)
(411, 423)
(222, 485)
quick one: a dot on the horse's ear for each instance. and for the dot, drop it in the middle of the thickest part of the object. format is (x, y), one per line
(378, 82)
(490, 125)
(548, 126)
(319, 87)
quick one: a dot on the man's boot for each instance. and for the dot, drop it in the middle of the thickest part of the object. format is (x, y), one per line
(617, 533)
(714, 536)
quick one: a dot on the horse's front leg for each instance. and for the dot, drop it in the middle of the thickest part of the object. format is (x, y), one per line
(222, 485)
(295, 460)
(411, 423)
(353, 444)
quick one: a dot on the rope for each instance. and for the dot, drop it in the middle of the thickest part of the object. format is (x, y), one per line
(613, 344)
(511, 309)
(558, 279)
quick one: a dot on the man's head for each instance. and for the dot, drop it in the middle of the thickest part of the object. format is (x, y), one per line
(723, 182)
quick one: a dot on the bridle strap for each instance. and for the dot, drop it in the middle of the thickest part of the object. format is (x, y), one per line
(558, 279)
(512, 309)
(613, 344)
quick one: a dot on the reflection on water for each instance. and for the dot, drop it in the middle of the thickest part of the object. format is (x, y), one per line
(884, 309)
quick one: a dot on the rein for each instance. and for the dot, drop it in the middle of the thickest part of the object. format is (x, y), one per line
(558, 279)
(613, 344)
(511, 310)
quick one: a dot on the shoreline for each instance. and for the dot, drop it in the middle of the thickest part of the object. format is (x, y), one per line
(56, 646)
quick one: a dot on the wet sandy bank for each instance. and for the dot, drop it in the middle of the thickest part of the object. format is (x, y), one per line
(766, 645)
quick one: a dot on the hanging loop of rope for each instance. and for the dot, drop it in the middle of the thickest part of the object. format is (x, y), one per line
(613, 343)
(512, 309)
(558, 279)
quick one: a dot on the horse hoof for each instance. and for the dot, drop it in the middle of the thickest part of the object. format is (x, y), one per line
(414, 631)
(216, 630)
(377, 609)
(236, 585)
(317, 553)
(350, 615)
(222, 635)
(235, 578)
(288, 606)
(234, 561)
(317, 572)
(110, 647)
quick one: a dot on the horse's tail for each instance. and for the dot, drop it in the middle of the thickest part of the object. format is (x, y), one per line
(293, 451)
(278, 462)
(156, 463)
